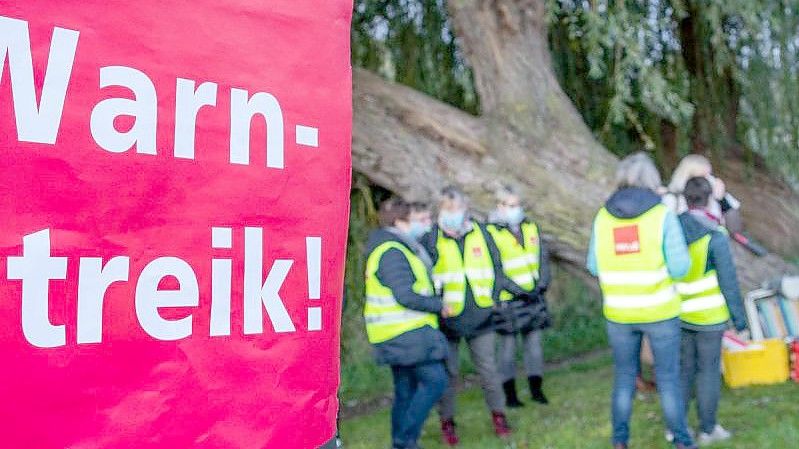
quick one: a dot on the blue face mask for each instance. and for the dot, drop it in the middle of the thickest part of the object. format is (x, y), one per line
(417, 230)
(452, 221)
(514, 215)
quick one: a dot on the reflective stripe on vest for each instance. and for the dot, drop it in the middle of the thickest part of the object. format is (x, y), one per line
(385, 317)
(636, 286)
(702, 301)
(453, 268)
(520, 262)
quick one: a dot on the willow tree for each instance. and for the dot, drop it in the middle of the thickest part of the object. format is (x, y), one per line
(526, 129)
(679, 76)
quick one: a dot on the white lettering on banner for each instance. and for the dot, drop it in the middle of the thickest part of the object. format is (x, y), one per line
(93, 282)
(144, 109)
(258, 292)
(40, 123)
(188, 103)
(242, 109)
(37, 267)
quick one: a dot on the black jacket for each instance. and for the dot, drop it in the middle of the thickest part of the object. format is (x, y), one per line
(474, 320)
(419, 346)
(525, 313)
(719, 258)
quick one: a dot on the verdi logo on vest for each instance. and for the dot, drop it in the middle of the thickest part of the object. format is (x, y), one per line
(625, 240)
(477, 251)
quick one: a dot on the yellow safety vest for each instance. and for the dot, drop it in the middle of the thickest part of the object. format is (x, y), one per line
(453, 268)
(703, 303)
(520, 261)
(635, 282)
(385, 317)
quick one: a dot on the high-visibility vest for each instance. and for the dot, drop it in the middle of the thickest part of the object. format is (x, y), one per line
(385, 317)
(453, 268)
(520, 261)
(635, 282)
(703, 303)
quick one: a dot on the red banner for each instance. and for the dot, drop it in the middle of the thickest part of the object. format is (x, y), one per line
(174, 190)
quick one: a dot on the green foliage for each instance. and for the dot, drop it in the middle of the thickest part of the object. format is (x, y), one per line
(577, 314)
(411, 42)
(716, 73)
(360, 377)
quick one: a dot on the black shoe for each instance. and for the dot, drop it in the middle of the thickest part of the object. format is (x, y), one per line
(511, 398)
(535, 390)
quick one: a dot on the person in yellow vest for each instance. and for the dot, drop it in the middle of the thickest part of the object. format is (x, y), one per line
(524, 260)
(401, 315)
(710, 299)
(638, 251)
(468, 272)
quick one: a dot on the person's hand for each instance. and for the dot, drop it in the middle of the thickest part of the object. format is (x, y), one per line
(447, 311)
(719, 189)
(743, 335)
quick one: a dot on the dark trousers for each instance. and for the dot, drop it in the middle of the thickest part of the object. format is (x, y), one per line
(701, 374)
(417, 388)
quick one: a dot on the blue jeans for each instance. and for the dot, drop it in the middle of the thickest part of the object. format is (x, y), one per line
(417, 388)
(701, 374)
(664, 336)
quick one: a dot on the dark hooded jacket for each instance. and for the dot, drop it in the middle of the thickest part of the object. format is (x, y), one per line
(719, 259)
(525, 313)
(418, 346)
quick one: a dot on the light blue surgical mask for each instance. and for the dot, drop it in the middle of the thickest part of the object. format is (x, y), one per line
(417, 230)
(514, 215)
(452, 221)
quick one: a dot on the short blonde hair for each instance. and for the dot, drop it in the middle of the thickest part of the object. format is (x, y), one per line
(638, 170)
(689, 167)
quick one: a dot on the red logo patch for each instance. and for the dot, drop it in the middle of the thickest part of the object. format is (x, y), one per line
(477, 251)
(533, 240)
(626, 241)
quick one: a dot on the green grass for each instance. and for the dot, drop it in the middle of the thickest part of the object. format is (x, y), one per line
(579, 417)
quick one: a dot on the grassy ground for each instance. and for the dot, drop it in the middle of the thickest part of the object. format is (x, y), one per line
(761, 417)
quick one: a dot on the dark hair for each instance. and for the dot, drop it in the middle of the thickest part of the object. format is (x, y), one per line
(393, 209)
(697, 191)
(420, 206)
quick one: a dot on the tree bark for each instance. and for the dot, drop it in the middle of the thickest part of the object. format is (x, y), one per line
(529, 134)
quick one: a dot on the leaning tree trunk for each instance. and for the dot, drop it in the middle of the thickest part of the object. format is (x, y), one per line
(529, 133)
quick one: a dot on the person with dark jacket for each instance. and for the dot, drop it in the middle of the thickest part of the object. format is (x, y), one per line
(468, 272)
(524, 260)
(401, 315)
(710, 298)
(638, 251)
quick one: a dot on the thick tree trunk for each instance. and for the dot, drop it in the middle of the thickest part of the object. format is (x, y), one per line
(529, 133)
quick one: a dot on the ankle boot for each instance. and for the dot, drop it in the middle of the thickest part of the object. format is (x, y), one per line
(511, 398)
(448, 433)
(501, 427)
(535, 389)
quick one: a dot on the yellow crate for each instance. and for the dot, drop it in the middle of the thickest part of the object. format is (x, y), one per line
(764, 362)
